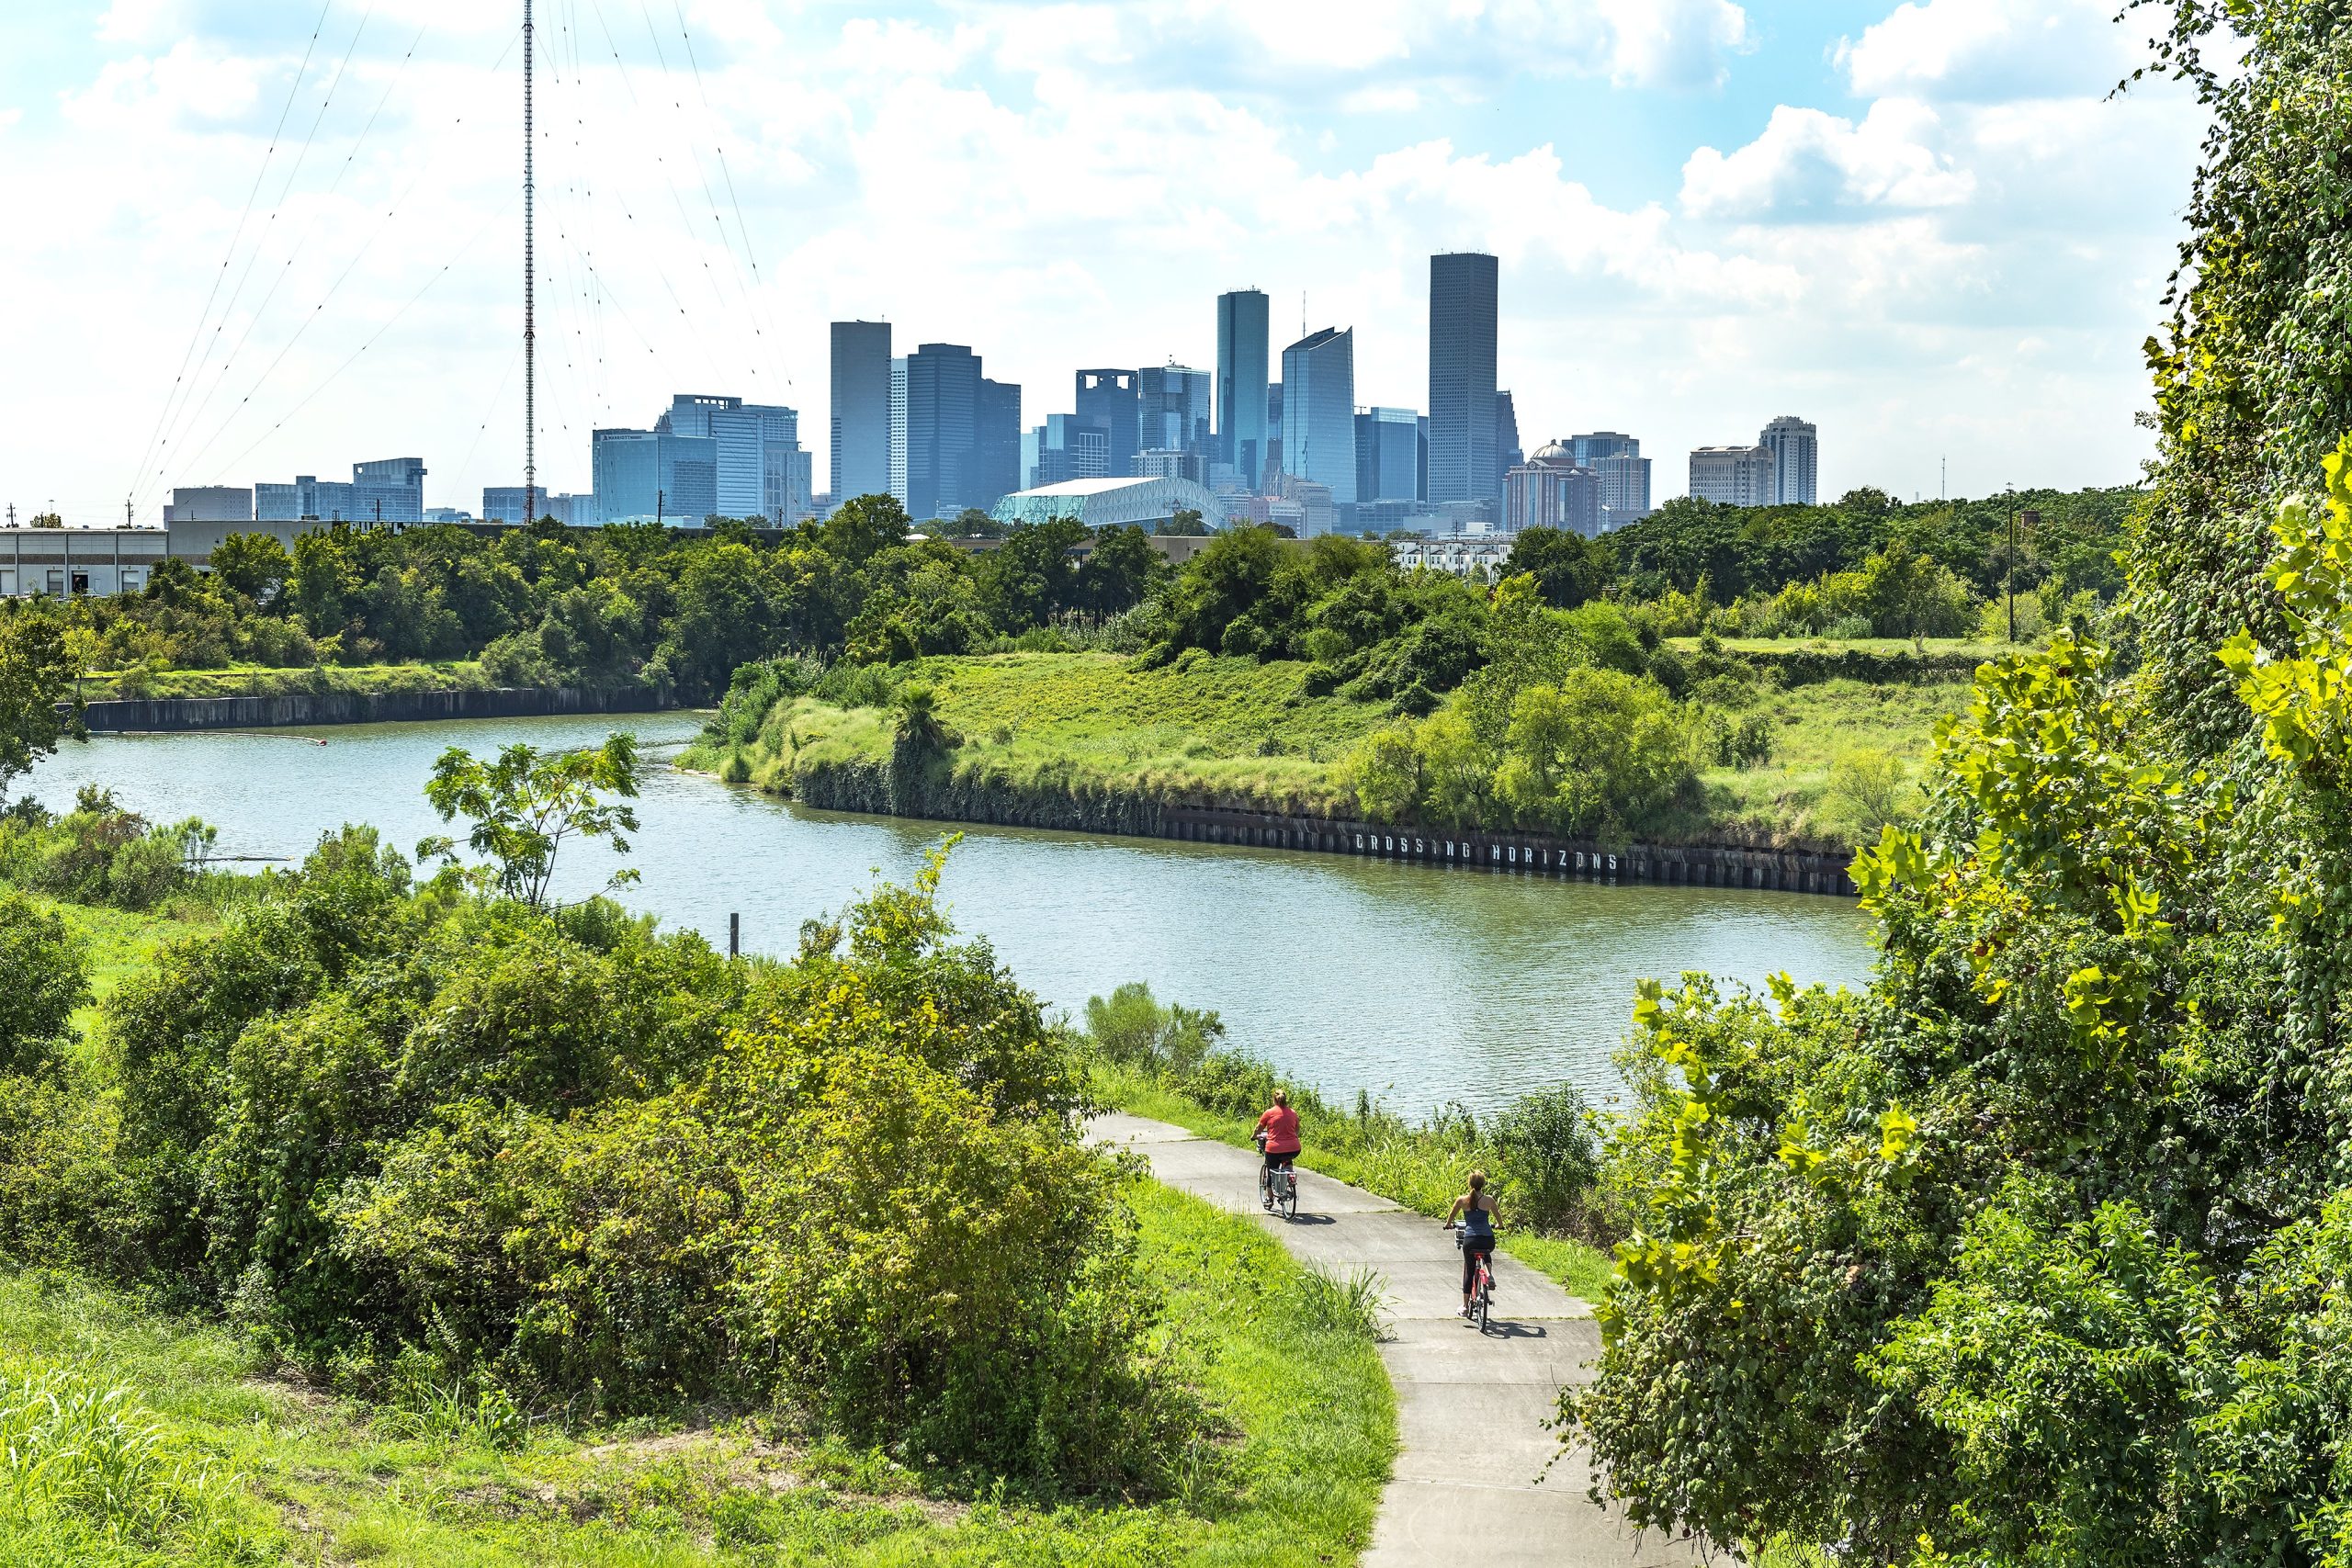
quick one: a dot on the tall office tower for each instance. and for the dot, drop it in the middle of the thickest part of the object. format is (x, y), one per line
(1508, 455)
(1795, 447)
(996, 445)
(757, 476)
(1320, 411)
(1272, 460)
(1388, 455)
(643, 475)
(1625, 488)
(1177, 405)
(1735, 476)
(1591, 447)
(391, 490)
(1067, 448)
(861, 419)
(943, 408)
(1243, 342)
(897, 429)
(1463, 454)
(1112, 396)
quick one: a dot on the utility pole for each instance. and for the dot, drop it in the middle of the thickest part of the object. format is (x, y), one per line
(530, 387)
(659, 496)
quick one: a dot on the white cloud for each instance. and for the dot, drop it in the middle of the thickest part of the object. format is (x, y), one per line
(1809, 162)
(1990, 50)
(1297, 44)
(1060, 186)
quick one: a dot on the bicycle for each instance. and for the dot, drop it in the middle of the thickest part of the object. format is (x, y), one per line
(1277, 1188)
(1482, 1279)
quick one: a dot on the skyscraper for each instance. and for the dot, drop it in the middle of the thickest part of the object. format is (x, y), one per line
(643, 475)
(942, 410)
(995, 472)
(1734, 476)
(861, 404)
(897, 431)
(1242, 343)
(1388, 455)
(1795, 447)
(1508, 455)
(1112, 397)
(1463, 454)
(758, 469)
(1320, 411)
(1176, 403)
(1592, 448)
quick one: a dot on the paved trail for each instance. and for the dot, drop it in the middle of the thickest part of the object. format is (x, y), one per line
(1470, 1409)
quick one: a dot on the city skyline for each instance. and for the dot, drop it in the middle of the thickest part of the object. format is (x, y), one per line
(1919, 223)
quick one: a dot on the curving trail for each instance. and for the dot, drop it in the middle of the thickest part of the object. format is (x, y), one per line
(1469, 1483)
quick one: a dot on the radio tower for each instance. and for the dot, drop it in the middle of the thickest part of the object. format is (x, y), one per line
(530, 388)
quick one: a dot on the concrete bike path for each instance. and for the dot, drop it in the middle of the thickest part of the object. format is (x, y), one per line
(1470, 1408)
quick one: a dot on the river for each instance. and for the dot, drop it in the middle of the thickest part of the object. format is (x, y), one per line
(1418, 984)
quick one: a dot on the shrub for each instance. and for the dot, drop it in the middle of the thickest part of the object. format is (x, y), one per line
(44, 976)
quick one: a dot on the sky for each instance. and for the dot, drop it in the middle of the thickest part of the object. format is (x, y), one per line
(248, 238)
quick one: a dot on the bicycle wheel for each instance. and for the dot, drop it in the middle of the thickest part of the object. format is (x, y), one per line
(1486, 1294)
(1290, 1195)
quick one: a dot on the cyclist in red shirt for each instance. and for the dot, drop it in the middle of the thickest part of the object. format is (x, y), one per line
(1277, 1139)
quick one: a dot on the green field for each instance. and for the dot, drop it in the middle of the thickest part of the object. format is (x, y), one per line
(1238, 732)
(1221, 728)
(239, 1462)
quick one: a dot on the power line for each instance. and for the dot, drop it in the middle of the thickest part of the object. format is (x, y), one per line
(285, 271)
(235, 236)
(394, 319)
(365, 249)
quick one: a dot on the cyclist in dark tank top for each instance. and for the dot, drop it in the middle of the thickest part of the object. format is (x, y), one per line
(1476, 1211)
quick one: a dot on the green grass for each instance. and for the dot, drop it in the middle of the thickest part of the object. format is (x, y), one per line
(1935, 646)
(1792, 797)
(1242, 733)
(300, 1476)
(1225, 728)
(270, 680)
(1419, 1172)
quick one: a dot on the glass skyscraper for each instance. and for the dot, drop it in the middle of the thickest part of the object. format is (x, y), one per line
(1795, 445)
(1112, 396)
(861, 409)
(1243, 344)
(1463, 459)
(1177, 415)
(1320, 411)
(1388, 455)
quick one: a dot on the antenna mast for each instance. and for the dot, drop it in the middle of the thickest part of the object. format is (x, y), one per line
(530, 387)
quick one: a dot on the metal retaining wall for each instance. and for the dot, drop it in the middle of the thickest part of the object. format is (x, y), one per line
(1783, 871)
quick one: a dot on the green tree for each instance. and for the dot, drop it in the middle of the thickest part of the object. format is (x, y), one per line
(37, 705)
(1385, 773)
(526, 805)
(254, 565)
(1568, 568)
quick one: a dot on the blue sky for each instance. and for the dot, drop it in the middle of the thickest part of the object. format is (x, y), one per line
(1921, 225)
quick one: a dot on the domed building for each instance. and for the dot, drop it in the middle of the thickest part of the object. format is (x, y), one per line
(1549, 490)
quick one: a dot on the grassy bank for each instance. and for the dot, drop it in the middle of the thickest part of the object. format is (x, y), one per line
(1237, 732)
(1225, 728)
(212, 1460)
(267, 681)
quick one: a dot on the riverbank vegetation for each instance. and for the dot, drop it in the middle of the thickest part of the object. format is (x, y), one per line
(716, 1239)
(1171, 1062)
(1751, 760)
(2035, 1251)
